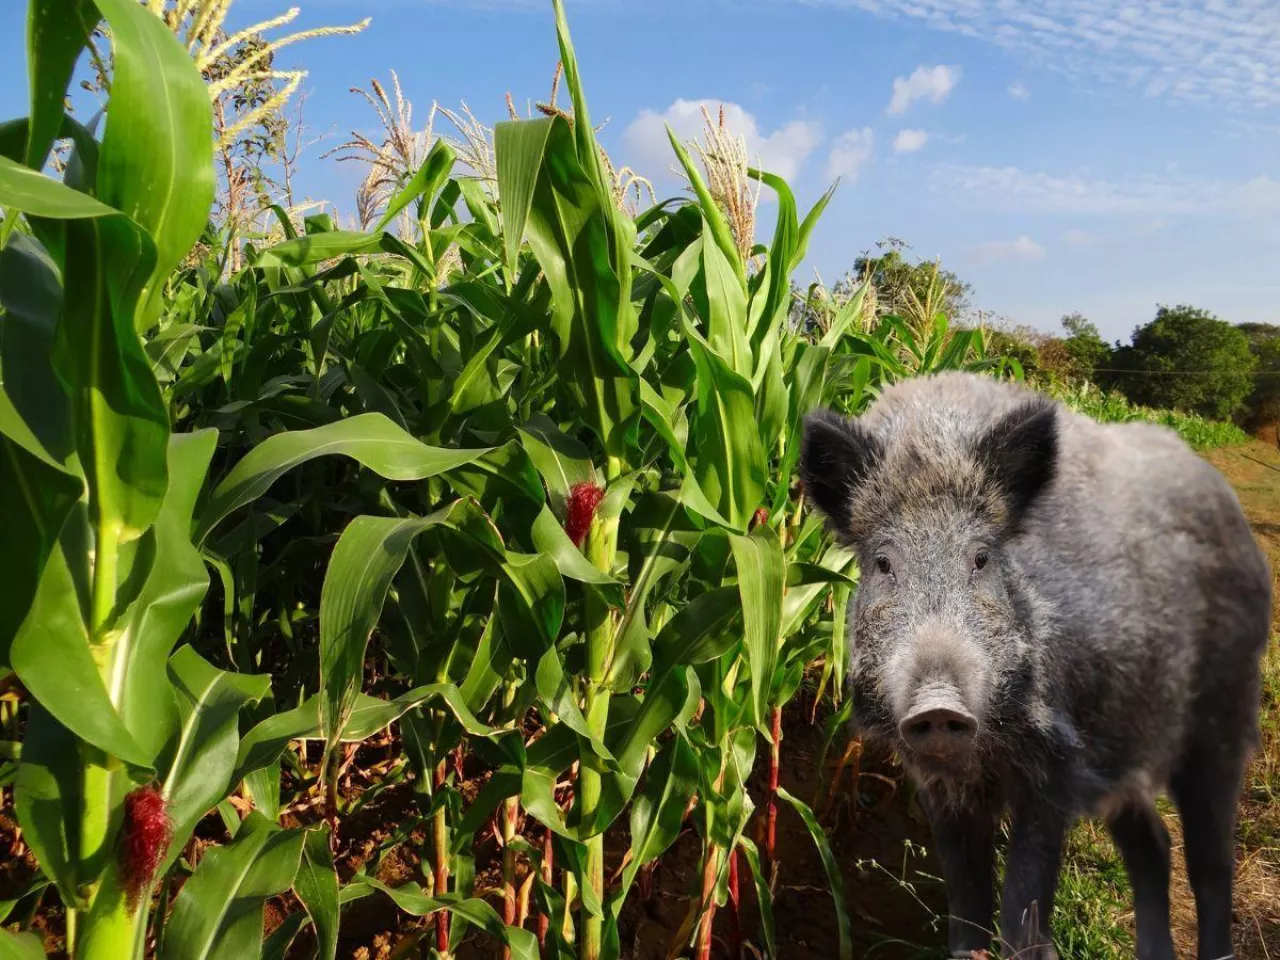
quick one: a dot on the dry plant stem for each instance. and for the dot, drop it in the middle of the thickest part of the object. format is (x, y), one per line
(707, 902)
(441, 867)
(771, 816)
(735, 917)
(548, 856)
(852, 754)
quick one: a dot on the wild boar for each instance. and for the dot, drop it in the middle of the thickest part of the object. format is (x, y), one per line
(1054, 619)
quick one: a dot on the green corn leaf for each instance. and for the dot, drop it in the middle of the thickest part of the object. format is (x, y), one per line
(425, 183)
(550, 539)
(519, 168)
(730, 468)
(848, 314)
(410, 898)
(574, 231)
(277, 945)
(761, 580)
(806, 228)
(31, 192)
(42, 496)
(218, 915)
(122, 423)
(531, 599)
(562, 461)
(53, 657)
(176, 582)
(197, 774)
(835, 878)
(31, 295)
(370, 439)
(48, 799)
(56, 35)
(776, 295)
(315, 248)
(657, 812)
(726, 299)
(156, 162)
(20, 946)
(317, 887)
(764, 896)
(558, 696)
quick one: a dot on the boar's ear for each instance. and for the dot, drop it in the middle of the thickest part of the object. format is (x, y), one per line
(1020, 453)
(836, 456)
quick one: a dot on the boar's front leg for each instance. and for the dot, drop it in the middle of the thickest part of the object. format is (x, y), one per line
(965, 839)
(1143, 842)
(1031, 878)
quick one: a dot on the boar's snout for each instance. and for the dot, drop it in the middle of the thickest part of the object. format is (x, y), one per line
(938, 726)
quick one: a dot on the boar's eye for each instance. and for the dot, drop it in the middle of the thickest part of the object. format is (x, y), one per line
(883, 565)
(980, 559)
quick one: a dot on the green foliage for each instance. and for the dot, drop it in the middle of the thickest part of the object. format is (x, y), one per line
(530, 466)
(1112, 407)
(902, 284)
(1189, 360)
(1263, 405)
(1087, 351)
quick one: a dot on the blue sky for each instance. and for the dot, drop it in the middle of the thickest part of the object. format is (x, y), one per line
(1093, 155)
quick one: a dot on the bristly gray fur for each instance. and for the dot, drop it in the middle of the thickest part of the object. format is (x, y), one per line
(1114, 631)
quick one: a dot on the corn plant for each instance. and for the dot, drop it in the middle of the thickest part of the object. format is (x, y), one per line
(514, 480)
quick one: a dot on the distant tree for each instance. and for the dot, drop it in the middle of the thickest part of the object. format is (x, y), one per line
(913, 289)
(1086, 351)
(1188, 359)
(1263, 406)
(1017, 343)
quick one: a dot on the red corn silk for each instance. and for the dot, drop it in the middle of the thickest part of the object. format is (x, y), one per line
(580, 510)
(144, 840)
(760, 517)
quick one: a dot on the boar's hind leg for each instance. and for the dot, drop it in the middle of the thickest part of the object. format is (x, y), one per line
(1031, 879)
(1144, 844)
(965, 841)
(1206, 789)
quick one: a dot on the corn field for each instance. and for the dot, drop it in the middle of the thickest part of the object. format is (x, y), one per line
(491, 506)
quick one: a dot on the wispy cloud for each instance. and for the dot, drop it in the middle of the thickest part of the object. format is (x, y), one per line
(909, 141)
(851, 150)
(1079, 238)
(926, 83)
(997, 251)
(1016, 190)
(783, 151)
(1219, 52)
(1019, 90)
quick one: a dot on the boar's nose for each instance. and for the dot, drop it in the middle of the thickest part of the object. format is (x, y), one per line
(939, 731)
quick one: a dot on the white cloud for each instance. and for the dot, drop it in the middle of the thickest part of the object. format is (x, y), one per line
(850, 151)
(1019, 90)
(926, 83)
(1223, 53)
(995, 251)
(782, 152)
(1020, 191)
(909, 141)
(1078, 238)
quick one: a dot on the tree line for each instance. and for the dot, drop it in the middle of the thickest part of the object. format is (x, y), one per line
(1185, 358)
